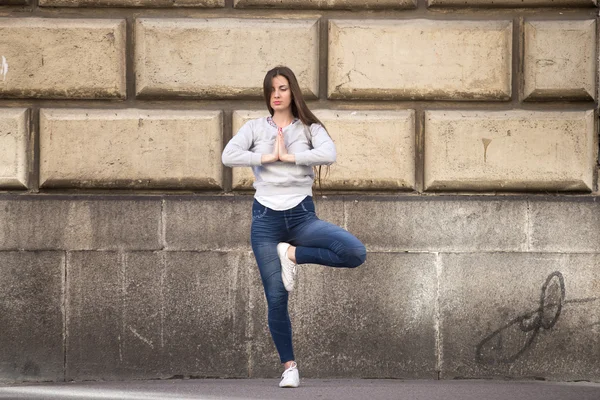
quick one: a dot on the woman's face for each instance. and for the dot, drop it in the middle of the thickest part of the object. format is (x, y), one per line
(281, 95)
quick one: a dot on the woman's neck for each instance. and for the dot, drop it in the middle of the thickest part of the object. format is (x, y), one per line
(283, 119)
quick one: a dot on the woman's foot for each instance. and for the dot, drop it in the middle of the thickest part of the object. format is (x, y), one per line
(290, 377)
(289, 269)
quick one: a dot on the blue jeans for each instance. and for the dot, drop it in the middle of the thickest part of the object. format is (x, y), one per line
(316, 241)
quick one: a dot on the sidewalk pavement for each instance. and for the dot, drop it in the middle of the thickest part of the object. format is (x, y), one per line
(314, 389)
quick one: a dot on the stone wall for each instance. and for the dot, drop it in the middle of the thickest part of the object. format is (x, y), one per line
(467, 134)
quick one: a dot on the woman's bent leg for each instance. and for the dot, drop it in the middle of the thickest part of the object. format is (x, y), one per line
(320, 242)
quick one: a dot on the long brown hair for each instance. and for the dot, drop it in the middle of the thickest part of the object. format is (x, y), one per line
(299, 108)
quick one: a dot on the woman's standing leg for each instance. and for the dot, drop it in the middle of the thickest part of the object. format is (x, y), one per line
(268, 229)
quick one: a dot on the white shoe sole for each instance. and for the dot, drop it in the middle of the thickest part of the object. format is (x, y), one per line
(288, 276)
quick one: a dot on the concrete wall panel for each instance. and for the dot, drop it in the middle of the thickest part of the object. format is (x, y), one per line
(132, 3)
(130, 149)
(38, 223)
(511, 3)
(328, 4)
(553, 67)
(219, 223)
(396, 59)
(31, 316)
(222, 57)
(156, 315)
(62, 58)
(438, 225)
(558, 226)
(520, 315)
(510, 150)
(14, 148)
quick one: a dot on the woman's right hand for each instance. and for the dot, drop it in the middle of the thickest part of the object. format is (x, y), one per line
(272, 157)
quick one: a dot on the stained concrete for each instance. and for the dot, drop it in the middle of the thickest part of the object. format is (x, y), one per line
(31, 316)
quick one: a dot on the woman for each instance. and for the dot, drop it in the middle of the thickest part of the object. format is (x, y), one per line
(282, 150)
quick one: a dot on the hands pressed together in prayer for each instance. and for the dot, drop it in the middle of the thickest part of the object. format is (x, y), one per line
(279, 152)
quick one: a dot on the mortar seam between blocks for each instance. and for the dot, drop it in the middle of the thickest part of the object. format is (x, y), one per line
(437, 316)
(528, 226)
(163, 226)
(65, 308)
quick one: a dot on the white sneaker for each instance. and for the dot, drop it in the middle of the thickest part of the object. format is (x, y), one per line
(290, 377)
(289, 269)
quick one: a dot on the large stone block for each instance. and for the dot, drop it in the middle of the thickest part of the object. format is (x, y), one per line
(222, 57)
(438, 224)
(42, 223)
(156, 315)
(397, 59)
(132, 3)
(520, 315)
(327, 4)
(510, 150)
(206, 294)
(62, 58)
(130, 149)
(560, 60)
(14, 148)
(376, 150)
(375, 321)
(512, 3)
(565, 226)
(211, 223)
(31, 316)
(95, 320)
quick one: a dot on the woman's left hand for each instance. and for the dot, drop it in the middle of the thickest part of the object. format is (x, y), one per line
(283, 153)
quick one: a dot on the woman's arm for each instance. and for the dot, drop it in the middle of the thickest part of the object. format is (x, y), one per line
(323, 151)
(237, 152)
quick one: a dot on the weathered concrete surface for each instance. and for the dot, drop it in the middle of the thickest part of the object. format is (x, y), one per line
(310, 389)
(520, 315)
(512, 3)
(558, 226)
(158, 314)
(475, 264)
(31, 316)
(376, 149)
(418, 224)
(63, 58)
(328, 4)
(219, 223)
(385, 59)
(41, 223)
(373, 321)
(510, 150)
(132, 3)
(131, 148)
(196, 66)
(555, 68)
(14, 148)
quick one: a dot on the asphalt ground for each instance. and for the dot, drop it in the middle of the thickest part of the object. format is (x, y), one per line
(318, 389)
